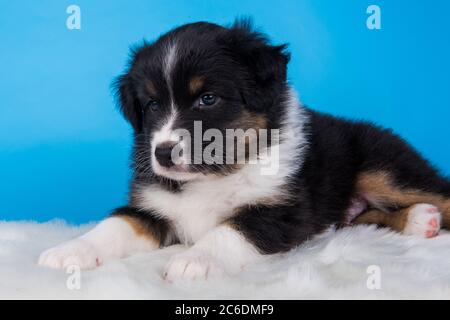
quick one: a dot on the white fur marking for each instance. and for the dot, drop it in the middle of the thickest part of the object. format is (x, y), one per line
(165, 134)
(423, 220)
(169, 63)
(221, 251)
(111, 238)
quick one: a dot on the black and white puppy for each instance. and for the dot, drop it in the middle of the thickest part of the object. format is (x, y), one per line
(328, 170)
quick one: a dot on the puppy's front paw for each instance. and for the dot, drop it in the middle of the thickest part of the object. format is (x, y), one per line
(192, 265)
(75, 252)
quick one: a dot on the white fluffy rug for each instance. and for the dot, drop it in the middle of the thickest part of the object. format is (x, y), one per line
(333, 266)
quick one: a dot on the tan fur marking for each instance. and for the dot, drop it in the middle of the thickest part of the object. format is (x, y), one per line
(151, 89)
(246, 122)
(138, 228)
(250, 120)
(380, 189)
(196, 84)
(445, 210)
(395, 220)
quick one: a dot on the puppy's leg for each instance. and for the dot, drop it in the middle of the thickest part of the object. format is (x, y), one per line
(125, 232)
(421, 219)
(253, 231)
(223, 250)
(381, 191)
(445, 208)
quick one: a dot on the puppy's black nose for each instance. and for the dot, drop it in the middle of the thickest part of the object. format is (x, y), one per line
(163, 154)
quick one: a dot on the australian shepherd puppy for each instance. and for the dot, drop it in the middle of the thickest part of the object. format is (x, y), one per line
(308, 172)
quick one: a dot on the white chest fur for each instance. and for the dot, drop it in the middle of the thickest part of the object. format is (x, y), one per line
(205, 203)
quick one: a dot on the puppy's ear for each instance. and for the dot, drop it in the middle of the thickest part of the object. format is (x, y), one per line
(266, 64)
(128, 102)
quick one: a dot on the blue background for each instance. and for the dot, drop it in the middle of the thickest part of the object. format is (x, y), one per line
(64, 147)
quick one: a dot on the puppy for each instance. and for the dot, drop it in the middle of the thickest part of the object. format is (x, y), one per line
(201, 78)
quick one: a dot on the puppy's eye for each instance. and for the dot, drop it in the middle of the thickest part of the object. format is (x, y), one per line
(152, 105)
(208, 99)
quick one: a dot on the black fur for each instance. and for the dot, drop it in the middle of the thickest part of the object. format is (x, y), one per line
(338, 151)
(249, 74)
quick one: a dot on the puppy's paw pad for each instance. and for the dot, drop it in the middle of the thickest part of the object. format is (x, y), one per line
(75, 252)
(432, 209)
(192, 266)
(434, 223)
(423, 220)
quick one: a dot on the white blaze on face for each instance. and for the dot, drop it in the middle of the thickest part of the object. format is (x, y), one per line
(169, 63)
(166, 133)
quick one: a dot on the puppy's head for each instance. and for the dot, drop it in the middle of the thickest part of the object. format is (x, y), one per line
(196, 79)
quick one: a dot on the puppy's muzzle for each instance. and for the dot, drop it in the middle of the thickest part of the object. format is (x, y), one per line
(163, 154)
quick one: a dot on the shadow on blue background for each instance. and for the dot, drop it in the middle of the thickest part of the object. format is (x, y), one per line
(64, 147)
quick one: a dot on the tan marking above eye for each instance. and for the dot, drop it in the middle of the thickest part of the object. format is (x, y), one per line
(150, 88)
(195, 84)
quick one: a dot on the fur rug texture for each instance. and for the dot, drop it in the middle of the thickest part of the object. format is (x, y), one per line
(352, 263)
